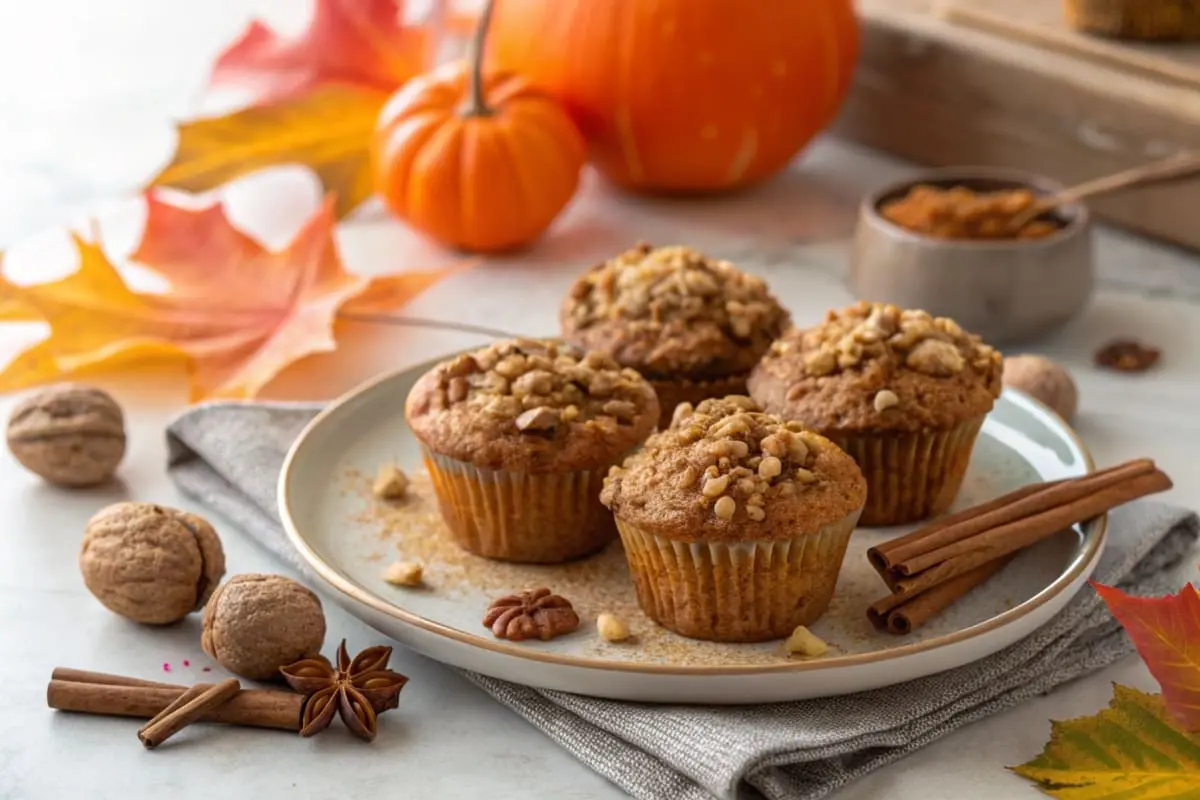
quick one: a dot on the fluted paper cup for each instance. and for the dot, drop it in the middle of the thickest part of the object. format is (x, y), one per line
(747, 591)
(541, 518)
(911, 476)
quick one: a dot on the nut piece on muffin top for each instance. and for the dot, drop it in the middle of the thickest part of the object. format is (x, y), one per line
(671, 312)
(875, 367)
(531, 405)
(727, 471)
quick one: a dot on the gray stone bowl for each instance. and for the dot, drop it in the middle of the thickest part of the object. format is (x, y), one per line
(1005, 291)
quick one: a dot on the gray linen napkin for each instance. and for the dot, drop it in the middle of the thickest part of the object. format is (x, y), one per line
(228, 457)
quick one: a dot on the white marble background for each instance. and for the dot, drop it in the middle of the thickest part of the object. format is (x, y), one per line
(88, 92)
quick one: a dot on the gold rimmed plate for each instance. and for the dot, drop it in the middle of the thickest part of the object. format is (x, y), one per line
(349, 539)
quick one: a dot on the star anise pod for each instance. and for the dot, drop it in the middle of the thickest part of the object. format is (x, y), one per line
(537, 614)
(358, 689)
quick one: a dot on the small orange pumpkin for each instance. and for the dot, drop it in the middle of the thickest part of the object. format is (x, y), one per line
(483, 163)
(685, 95)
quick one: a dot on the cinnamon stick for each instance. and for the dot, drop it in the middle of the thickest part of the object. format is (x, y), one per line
(194, 704)
(881, 555)
(936, 546)
(257, 708)
(964, 556)
(903, 612)
(105, 679)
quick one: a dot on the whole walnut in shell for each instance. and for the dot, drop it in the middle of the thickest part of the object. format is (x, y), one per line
(71, 435)
(150, 563)
(254, 624)
(1044, 380)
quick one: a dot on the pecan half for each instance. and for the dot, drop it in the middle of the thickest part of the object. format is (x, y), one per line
(536, 614)
(1127, 355)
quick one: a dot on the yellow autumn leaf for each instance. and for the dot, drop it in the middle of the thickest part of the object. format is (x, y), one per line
(326, 129)
(1131, 750)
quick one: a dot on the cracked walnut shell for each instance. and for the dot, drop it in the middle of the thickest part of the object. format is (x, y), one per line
(254, 624)
(70, 435)
(536, 614)
(150, 563)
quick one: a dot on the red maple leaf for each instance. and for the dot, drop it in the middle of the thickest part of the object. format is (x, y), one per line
(362, 42)
(1166, 633)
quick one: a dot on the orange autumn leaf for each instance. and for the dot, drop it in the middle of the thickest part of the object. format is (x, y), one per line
(13, 310)
(1166, 633)
(237, 312)
(325, 129)
(362, 42)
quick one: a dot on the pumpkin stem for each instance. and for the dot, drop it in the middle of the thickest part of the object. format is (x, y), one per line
(475, 105)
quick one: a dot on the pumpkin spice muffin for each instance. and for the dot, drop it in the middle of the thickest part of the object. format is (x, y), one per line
(734, 522)
(903, 393)
(517, 438)
(693, 326)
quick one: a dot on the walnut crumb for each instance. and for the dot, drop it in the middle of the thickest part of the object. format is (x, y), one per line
(805, 644)
(885, 399)
(611, 628)
(390, 483)
(405, 573)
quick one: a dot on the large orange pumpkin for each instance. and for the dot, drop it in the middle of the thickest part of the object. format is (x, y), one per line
(685, 95)
(483, 162)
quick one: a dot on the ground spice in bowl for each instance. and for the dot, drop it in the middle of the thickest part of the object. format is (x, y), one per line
(958, 212)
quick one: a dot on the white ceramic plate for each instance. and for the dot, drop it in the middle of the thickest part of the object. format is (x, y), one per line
(349, 539)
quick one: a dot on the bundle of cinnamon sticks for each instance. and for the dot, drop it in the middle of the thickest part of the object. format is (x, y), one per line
(929, 569)
(170, 707)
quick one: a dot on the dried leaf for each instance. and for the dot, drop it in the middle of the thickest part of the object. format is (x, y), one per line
(237, 312)
(326, 129)
(363, 42)
(1166, 633)
(1129, 750)
(12, 310)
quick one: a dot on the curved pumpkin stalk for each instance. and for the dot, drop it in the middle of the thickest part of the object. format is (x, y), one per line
(476, 105)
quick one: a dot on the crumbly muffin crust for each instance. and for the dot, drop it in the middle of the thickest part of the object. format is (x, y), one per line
(726, 471)
(872, 367)
(672, 312)
(532, 406)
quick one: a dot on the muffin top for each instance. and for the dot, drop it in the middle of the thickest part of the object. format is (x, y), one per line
(531, 406)
(726, 471)
(875, 367)
(671, 312)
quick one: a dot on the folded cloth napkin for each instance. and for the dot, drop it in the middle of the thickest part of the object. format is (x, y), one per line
(228, 457)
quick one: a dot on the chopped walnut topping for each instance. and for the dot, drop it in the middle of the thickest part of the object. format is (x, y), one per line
(736, 455)
(536, 614)
(542, 386)
(849, 337)
(655, 285)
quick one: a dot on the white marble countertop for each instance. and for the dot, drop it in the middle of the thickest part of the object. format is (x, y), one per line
(88, 91)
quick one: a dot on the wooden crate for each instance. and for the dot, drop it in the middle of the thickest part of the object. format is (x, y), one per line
(1005, 83)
